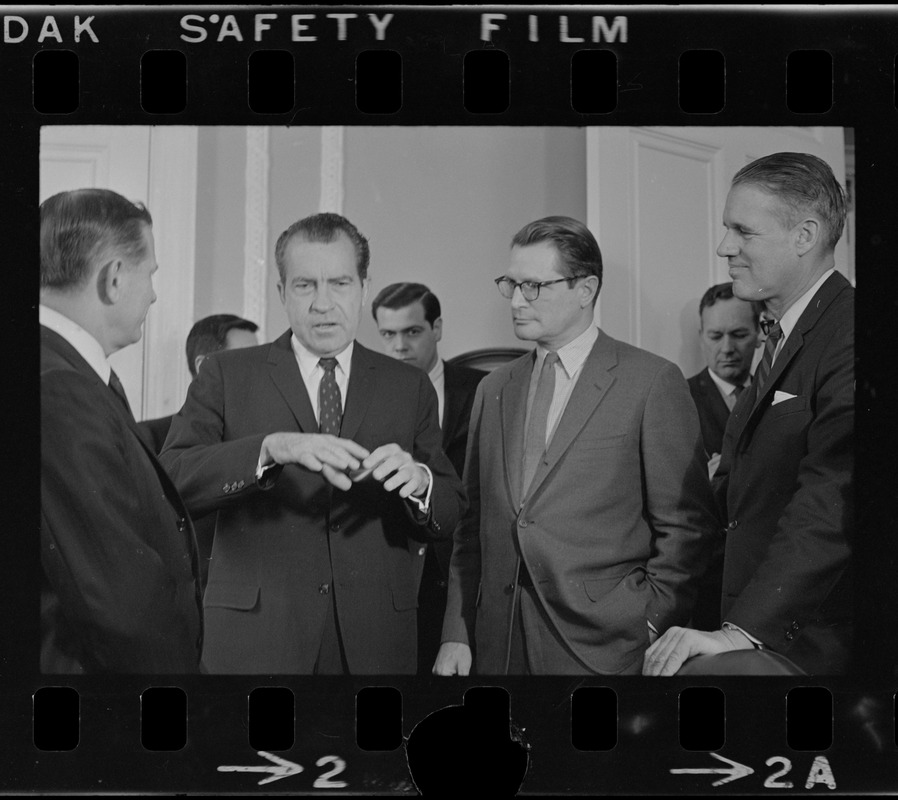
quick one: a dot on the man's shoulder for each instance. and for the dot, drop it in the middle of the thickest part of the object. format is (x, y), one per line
(632, 356)
(462, 377)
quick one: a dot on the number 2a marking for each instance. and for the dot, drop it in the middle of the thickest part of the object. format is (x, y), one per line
(324, 781)
(772, 782)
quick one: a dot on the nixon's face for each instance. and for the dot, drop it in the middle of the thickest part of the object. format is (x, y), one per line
(322, 293)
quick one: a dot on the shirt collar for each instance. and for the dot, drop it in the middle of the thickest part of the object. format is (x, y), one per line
(86, 345)
(573, 354)
(725, 386)
(308, 360)
(437, 372)
(794, 312)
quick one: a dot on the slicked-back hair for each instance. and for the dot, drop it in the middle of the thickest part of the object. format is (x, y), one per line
(578, 250)
(78, 227)
(724, 291)
(400, 295)
(210, 334)
(804, 183)
(324, 227)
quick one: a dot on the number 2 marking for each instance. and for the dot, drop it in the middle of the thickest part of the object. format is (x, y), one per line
(324, 781)
(772, 782)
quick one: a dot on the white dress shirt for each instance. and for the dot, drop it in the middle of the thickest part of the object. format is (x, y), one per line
(312, 372)
(438, 378)
(790, 318)
(728, 390)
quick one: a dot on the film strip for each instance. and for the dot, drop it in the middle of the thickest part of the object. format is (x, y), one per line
(610, 67)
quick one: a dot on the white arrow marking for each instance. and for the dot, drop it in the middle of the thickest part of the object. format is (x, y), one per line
(733, 772)
(282, 768)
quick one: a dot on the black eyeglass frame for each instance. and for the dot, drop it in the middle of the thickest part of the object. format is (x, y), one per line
(535, 286)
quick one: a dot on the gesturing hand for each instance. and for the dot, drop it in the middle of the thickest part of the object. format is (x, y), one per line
(390, 465)
(454, 658)
(667, 655)
(317, 452)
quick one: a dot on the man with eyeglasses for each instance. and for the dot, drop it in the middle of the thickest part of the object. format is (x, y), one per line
(589, 504)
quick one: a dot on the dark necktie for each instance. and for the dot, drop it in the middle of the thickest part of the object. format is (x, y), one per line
(330, 406)
(116, 385)
(775, 333)
(535, 438)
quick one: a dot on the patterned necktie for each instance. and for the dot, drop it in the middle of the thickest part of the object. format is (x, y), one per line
(330, 406)
(774, 335)
(116, 385)
(535, 438)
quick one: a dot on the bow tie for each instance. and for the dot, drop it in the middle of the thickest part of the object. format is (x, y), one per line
(766, 325)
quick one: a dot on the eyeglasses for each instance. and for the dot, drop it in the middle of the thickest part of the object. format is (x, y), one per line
(530, 289)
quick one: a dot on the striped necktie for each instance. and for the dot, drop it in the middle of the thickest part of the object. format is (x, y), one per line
(775, 333)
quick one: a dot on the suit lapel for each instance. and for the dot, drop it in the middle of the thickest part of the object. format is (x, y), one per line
(831, 288)
(288, 380)
(594, 381)
(359, 390)
(513, 405)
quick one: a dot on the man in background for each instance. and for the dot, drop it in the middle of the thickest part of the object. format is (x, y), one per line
(119, 586)
(410, 324)
(323, 461)
(208, 335)
(786, 476)
(589, 509)
(728, 330)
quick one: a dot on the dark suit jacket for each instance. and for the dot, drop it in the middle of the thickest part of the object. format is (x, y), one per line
(119, 591)
(615, 526)
(280, 551)
(787, 471)
(713, 412)
(155, 431)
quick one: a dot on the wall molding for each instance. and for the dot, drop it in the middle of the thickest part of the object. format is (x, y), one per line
(332, 157)
(172, 174)
(255, 248)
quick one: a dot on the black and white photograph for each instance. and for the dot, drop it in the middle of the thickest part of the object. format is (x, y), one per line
(536, 440)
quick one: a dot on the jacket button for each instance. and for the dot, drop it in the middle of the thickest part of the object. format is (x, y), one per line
(422, 551)
(509, 589)
(182, 524)
(240, 484)
(794, 626)
(733, 524)
(522, 523)
(335, 526)
(790, 636)
(226, 488)
(324, 588)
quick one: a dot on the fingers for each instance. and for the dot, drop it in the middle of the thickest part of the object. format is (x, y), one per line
(336, 478)
(394, 467)
(667, 654)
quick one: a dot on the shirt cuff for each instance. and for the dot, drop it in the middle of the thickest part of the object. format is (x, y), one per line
(424, 503)
(759, 645)
(654, 629)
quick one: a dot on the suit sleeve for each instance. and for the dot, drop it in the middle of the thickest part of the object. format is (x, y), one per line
(811, 547)
(209, 472)
(464, 571)
(446, 498)
(678, 499)
(98, 538)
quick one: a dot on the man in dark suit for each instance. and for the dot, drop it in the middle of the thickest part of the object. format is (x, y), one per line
(320, 510)
(787, 469)
(208, 335)
(589, 503)
(409, 320)
(119, 588)
(728, 330)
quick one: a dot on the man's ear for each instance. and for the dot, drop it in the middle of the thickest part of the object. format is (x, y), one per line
(196, 363)
(589, 288)
(366, 284)
(281, 292)
(809, 232)
(109, 281)
(438, 328)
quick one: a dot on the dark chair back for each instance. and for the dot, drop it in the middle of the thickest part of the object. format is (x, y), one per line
(741, 662)
(487, 358)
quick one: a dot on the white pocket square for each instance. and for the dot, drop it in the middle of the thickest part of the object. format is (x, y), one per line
(779, 397)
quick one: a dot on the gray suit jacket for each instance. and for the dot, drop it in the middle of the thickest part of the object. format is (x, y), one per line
(615, 528)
